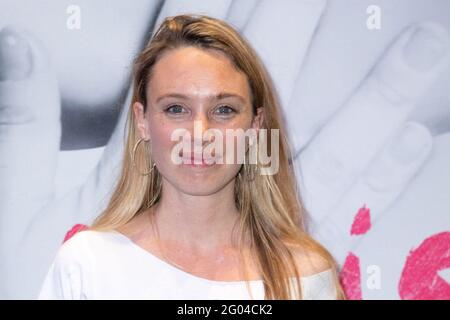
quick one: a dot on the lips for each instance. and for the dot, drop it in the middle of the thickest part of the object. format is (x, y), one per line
(195, 159)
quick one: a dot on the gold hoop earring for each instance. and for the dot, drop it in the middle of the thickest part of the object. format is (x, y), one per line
(250, 171)
(133, 157)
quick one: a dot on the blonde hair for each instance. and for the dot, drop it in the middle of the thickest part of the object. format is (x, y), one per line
(271, 211)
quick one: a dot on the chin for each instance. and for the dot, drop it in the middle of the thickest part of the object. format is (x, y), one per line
(199, 183)
(198, 188)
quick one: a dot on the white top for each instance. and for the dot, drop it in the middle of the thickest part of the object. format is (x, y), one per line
(109, 265)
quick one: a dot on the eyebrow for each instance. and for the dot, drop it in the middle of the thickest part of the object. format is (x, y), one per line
(219, 96)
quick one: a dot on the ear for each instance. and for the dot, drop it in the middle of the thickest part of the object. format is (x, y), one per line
(258, 119)
(140, 120)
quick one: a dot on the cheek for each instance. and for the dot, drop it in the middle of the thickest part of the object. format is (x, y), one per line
(161, 141)
(235, 142)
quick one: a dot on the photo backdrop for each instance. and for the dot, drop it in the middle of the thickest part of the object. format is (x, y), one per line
(364, 87)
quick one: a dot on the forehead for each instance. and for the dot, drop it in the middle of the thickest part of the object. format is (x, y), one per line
(197, 72)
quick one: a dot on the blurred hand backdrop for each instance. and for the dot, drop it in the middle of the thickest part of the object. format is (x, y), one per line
(364, 87)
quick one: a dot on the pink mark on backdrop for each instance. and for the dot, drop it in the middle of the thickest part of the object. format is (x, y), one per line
(351, 277)
(351, 272)
(76, 228)
(420, 279)
(361, 223)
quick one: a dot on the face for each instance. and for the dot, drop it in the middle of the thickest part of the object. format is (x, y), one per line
(183, 94)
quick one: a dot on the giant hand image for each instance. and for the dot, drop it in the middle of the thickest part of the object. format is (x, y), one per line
(368, 112)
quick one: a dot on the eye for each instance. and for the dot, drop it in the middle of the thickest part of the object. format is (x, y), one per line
(175, 109)
(225, 110)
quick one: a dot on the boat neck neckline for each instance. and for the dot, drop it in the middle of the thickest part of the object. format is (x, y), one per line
(193, 276)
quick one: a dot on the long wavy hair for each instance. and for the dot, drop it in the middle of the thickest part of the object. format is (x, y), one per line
(270, 206)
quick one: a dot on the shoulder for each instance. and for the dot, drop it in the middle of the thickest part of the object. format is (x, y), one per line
(310, 262)
(79, 241)
(81, 247)
(71, 273)
(74, 250)
(318, 274)
(67, 270)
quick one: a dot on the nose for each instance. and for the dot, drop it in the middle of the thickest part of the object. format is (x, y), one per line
(203, 119)
(200, 125)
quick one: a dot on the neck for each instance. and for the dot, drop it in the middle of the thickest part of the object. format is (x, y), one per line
(203, 222)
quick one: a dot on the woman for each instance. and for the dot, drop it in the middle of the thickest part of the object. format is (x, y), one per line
(198, 230)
